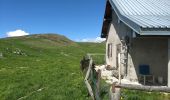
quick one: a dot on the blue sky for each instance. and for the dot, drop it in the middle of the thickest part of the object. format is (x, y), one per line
(76, 19)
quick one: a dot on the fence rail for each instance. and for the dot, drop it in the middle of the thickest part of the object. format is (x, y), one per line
(92, 78)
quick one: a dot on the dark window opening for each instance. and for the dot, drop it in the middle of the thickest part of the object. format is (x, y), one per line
(109, 52)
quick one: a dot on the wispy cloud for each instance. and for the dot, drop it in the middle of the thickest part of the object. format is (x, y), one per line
(16, 33)
(97, 40)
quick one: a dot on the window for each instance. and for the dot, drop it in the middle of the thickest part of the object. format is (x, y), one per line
(109, 50)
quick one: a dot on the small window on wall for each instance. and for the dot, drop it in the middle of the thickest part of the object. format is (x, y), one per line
(109, 50)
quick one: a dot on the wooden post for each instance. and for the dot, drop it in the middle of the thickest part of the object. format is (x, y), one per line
(86, 79)
(144, 88)
(98, 85)
(114, 92)
(144, 81)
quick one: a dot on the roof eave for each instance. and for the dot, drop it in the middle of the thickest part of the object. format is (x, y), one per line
(106, 20)
(147, 33)
(131, 24)
(135, 27)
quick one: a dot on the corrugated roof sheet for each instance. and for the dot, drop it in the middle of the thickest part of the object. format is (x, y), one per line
(145, 13)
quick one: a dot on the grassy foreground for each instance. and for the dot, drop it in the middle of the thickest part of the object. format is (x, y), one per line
(47, 67)
(43, 67)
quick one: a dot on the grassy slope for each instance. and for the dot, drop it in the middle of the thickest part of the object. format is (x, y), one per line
(46, 68)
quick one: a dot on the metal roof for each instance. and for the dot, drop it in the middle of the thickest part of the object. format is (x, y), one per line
(144, 14)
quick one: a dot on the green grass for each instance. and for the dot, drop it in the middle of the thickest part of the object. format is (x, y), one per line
(47, 67)
(43, 67)
(143, 95)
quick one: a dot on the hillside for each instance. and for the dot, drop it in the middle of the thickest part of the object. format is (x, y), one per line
(43, 67)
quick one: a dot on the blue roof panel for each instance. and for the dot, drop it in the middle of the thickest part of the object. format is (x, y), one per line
(145, 13)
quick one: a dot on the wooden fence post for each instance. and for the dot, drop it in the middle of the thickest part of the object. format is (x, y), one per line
(114, 92)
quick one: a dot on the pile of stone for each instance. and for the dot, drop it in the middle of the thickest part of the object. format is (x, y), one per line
(19, 52)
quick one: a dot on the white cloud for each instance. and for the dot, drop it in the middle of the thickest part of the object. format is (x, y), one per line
(16, 33)
(97, 40)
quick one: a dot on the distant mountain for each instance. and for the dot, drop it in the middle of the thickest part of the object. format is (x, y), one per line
(51, 38)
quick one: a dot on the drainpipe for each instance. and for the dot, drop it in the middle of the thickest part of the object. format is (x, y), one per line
(168, 62)
(119, 62)
(124, 49)
(127, 41)
(126, 62)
